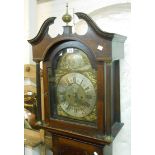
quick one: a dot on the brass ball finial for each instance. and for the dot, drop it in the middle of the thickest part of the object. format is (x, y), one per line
(67, 17)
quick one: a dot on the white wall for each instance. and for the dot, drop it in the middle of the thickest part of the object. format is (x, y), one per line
(30, 23)
(111, 16)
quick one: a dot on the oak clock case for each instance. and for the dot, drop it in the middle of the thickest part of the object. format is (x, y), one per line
(73, 90)
(81, 87)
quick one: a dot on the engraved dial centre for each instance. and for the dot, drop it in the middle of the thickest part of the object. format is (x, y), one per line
(75, 94)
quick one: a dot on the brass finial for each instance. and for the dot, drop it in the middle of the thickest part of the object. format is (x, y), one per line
(66, 17)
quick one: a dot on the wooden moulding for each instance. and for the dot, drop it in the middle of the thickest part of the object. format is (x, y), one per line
(94, 37)
(105, 140)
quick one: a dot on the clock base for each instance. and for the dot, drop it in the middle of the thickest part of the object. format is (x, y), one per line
(66, 146)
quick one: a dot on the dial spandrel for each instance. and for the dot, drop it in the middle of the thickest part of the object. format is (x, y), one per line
(75, 86)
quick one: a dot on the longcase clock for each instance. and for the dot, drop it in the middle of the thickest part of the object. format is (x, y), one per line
(81, 87)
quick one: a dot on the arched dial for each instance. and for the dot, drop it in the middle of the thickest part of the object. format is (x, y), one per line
(76, 95)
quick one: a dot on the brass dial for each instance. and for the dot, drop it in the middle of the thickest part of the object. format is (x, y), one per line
(75, 87)
(76, 95)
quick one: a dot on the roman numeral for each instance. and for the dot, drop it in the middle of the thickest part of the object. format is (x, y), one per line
(83, 111)
(86, 88)
(67, 82)
(75, 109)
(68, 107)
(81, 82)
(74, 79)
